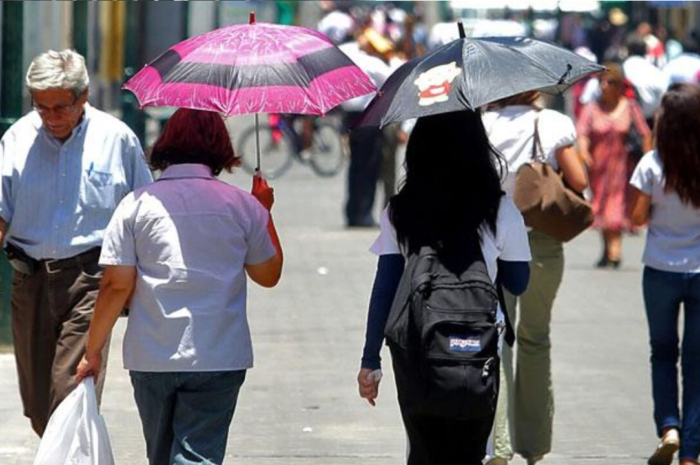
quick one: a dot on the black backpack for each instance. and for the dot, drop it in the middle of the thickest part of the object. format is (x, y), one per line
(443, 335)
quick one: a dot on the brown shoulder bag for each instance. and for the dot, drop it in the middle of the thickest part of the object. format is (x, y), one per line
(546, 202)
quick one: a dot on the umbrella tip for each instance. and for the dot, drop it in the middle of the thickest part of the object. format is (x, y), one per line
(252, 17)
(462, 34)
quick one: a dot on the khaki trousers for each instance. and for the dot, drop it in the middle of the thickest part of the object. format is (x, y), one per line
(525, 408)
(51, 314)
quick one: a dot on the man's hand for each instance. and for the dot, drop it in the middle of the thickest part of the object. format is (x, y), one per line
(89, 366)
(368, 385)
(261, 191)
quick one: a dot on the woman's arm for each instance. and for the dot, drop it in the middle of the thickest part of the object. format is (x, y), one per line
(115, 289)
(267, 274)
(386, 282)
(641, 207)
(642, 127)
(572, 168)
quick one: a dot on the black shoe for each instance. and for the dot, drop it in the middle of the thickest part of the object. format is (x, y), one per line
(615, 264)
(603, 262)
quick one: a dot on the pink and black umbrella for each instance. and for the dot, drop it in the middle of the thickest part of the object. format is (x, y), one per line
(252, 68)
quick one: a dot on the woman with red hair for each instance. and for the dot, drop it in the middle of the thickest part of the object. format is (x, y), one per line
(183, 248)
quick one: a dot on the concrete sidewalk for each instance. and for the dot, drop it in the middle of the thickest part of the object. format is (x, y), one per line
(299, 404)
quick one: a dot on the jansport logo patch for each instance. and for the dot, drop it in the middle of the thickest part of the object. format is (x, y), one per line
(465, 344)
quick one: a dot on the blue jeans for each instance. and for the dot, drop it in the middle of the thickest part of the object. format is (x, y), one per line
(664, 292)
(186, 415)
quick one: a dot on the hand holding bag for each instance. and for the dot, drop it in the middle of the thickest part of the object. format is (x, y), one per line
(544, 200)
(76, 433)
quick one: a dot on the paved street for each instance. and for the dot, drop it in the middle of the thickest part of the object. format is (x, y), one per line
(299, 404)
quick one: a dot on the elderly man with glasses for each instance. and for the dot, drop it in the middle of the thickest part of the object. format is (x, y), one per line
(65, 167)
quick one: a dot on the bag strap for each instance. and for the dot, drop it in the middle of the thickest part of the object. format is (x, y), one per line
(537, 143)
(510, 332)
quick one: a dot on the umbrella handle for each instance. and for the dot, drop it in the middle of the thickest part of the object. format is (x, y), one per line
(257, 142)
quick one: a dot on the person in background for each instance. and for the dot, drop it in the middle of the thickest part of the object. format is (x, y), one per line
(183, 246)
(517, 128)
(65, 167)
(603, 130)
(451, 190)
(655, 49)
(667, 196)
(366, 144)
(685, 67)
(582, 91)
(647, 79)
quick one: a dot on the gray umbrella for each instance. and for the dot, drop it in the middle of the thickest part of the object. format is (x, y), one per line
(469, 73)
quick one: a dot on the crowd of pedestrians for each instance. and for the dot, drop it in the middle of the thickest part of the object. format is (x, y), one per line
(77, 195)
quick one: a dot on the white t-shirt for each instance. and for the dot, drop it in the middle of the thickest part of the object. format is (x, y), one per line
(509, 244)
(684, 69)
(649, 82)
(673, 238)
(511, 130)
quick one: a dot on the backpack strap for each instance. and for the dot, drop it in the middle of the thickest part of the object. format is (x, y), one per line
(510, 332)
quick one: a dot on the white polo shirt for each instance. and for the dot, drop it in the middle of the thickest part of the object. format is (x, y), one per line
(189, 236)
(511, 130)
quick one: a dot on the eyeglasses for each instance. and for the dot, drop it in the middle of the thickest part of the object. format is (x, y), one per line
(60, 110)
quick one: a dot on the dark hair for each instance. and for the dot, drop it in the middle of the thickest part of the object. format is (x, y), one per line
(194, 136)
(452, 184)
(636, 45)
(691, 44)
(678, 141)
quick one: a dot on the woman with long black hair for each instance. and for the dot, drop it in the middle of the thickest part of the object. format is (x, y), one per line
(452, 191)
(667, 195)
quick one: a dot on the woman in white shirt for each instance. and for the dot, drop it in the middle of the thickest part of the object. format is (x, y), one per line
(451, 193)
(511, 124)
(667, 194)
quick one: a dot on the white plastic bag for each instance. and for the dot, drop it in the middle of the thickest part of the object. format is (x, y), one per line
(76, 433)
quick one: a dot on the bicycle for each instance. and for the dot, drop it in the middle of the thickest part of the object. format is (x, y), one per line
(323, 147)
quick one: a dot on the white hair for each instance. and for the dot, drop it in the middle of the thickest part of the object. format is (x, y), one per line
(58, 70)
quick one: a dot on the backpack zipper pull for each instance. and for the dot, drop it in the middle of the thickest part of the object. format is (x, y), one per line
(487, 368)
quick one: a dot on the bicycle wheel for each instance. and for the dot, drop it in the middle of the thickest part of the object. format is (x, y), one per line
(275, 155)
(328, 152)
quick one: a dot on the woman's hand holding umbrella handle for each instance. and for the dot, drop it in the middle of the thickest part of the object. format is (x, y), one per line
(263, 192)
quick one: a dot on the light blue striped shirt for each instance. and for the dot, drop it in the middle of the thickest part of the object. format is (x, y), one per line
(59, 197)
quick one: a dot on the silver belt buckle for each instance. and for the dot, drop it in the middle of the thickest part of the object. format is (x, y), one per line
(49, 269)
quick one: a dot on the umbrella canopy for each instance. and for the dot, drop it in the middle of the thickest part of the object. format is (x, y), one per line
(252, 68)
(468, 73)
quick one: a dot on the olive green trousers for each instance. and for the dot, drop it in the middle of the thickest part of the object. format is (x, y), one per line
(525, 409)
